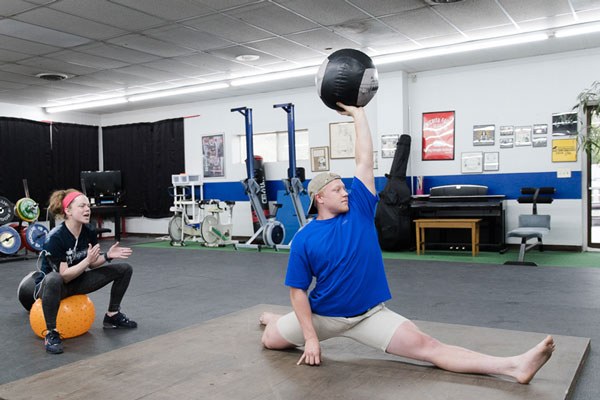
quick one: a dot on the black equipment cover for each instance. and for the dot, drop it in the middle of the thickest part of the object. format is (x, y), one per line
(392, 217)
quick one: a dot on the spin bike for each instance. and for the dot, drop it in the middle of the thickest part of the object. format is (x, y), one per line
(293, 183)
(271, 231)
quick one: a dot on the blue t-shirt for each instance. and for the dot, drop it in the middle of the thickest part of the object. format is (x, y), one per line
(343, 254)
(62, 246)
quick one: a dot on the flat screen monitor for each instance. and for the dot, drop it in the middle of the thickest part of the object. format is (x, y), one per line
(97, 184)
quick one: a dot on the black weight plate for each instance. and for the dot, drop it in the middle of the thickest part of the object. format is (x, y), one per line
(7, 213)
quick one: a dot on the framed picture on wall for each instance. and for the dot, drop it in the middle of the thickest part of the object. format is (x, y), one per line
(522, 135)
(564, 150)
(341, 139)
(213, 155)
(491, 161)
(507, 136)
(484, 135)
(438, 136)
(319, 159)
(388, 145)
(471, 162)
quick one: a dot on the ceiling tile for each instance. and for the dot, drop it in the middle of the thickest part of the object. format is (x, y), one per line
(89, 80)
(51, 65)
(150, 45)
(177, 67)
(520, 10)
(11, 76)
(325, 12)
(103, 11)
(582, 5)
(22, 30)
(125, 80)
(230, 53)
(171, 10)
(225, 4)
(272, 18)
(69, 23)
(11, 56)
(117, 53)
(285, 49)
(381, 8)
(87, 60)
(211, 62)
(25, 46)
(419, 24)
(10, 7)
(4, 85)
(370, 33)
(149, 73)
(465, 16)
(227, 28)
(322, 40)
(187, 36)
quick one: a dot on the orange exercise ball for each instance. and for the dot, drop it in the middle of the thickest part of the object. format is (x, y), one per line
(75, 316)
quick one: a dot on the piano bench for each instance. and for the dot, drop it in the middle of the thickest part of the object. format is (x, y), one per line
(448, 223)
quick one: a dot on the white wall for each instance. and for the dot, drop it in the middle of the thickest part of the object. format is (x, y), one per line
(517, 92)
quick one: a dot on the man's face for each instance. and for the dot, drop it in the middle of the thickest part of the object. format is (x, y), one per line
(333, 198)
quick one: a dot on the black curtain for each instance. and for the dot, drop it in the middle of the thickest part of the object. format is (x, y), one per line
(74, 149)
(147, 154)
(25, 153)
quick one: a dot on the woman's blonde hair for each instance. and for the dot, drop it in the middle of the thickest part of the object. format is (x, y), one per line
(55, 203)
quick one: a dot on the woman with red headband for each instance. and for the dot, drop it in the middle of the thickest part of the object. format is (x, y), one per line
(73, 264)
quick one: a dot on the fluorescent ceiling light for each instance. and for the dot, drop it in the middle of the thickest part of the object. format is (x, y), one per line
(178, 91)
(87, 104)
(577, 30)
(275, 76)
(460, 48)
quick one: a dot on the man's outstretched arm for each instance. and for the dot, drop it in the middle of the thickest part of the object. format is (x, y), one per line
(363, 146)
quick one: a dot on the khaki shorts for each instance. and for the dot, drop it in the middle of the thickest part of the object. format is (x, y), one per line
(374, 328)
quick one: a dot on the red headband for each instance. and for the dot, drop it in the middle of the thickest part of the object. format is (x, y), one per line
(69, 199)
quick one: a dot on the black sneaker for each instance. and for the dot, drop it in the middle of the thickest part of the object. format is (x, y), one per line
(53, 342)
(119, 320)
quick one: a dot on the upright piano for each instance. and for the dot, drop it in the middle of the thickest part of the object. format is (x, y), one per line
(461, 201)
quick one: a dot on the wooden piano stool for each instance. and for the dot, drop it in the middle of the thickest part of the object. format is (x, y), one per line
(448, 223)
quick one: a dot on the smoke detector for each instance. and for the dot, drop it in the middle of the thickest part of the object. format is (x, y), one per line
(52, 76)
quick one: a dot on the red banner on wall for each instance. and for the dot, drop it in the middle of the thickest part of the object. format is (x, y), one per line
(438, 135)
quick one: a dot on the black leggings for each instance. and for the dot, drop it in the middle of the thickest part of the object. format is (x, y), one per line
(54, 289)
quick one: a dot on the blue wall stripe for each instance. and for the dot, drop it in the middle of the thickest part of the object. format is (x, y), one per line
(506, 184)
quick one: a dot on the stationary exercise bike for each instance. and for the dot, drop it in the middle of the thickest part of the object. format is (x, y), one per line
(271, 231)
(198, 220)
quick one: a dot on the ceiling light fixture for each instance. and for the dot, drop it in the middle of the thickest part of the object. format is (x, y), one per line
(87, 104)
(460, 48)
(247, 57)
(178, 91)
(577, 30)
(275, 76)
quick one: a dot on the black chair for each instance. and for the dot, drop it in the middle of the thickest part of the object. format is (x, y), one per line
(532, 226)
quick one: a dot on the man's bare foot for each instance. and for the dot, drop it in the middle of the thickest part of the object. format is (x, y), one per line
(267, 317)
(531, 361)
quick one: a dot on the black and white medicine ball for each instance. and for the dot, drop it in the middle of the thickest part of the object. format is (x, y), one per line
(26, 289)
(348, 76)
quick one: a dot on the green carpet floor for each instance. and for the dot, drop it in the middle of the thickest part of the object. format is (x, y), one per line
(546, 258)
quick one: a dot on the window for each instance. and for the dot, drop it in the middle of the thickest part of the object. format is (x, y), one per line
(273, 147)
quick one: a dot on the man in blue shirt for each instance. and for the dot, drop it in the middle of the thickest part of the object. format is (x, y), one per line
(340, 250)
